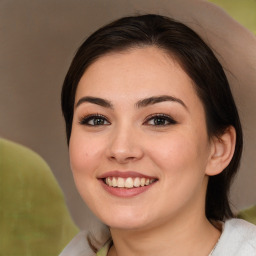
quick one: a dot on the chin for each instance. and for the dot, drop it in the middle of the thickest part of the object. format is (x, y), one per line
(126, 222)
(126, 225)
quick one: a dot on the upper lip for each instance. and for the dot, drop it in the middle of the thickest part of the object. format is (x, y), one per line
(124, 174)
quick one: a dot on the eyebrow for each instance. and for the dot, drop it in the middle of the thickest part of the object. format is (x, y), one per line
(158, 99)
(141, 103)
(98, 101)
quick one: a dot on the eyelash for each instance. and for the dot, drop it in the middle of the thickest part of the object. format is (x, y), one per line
(93, 117)
(161, 117)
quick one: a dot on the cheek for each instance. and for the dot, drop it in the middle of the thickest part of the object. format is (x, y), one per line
(84, 153)
(182, 156)
(181, 163)
(175, 150)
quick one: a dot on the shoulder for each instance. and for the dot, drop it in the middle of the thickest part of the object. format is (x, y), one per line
(238, 238)
(78, 246)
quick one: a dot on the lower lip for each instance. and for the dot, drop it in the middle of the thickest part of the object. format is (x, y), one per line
(125, 192)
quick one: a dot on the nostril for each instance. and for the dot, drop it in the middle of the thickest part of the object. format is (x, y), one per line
(123, 158)
(125, 155)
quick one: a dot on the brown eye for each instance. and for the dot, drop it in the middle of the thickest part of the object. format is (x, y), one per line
(160, 120)
(94, 120)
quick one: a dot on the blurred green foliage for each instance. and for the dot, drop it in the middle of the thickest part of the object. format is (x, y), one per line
(244, 11)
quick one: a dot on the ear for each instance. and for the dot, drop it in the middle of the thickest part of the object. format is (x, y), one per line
(222, 151)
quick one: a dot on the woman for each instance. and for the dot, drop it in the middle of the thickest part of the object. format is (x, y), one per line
(155, 140)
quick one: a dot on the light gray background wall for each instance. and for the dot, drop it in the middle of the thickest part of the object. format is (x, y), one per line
(37, 42)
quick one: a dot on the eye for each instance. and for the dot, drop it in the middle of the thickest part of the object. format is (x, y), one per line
(159, 120)
(94, 120)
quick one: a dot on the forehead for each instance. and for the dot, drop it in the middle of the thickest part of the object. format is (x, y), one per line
(137, 72)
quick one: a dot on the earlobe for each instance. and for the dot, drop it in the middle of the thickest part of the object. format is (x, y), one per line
(222, 150)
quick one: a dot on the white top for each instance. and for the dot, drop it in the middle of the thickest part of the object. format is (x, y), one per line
(238, 238)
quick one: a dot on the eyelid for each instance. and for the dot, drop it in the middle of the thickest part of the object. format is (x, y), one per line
(160, 115)
(87, 118)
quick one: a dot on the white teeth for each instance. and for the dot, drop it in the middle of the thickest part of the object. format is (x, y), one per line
(109, 181)
(114, 182)
(136, 182)
(120, 182)
(128, 182)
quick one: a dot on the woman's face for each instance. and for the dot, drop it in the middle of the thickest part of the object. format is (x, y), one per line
(140, 127)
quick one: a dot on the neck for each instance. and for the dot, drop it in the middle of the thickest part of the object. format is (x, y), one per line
(195, 237)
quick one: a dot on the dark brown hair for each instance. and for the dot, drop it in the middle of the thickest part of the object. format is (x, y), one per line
(196, 59)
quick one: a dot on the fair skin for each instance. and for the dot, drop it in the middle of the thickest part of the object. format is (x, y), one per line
(147, 122)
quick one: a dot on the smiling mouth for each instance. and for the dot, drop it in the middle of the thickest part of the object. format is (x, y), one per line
(119, 182)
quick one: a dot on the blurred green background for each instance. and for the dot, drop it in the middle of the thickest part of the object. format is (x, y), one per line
(244, 11)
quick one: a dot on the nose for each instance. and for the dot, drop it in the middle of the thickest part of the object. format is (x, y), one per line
(125, 145)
